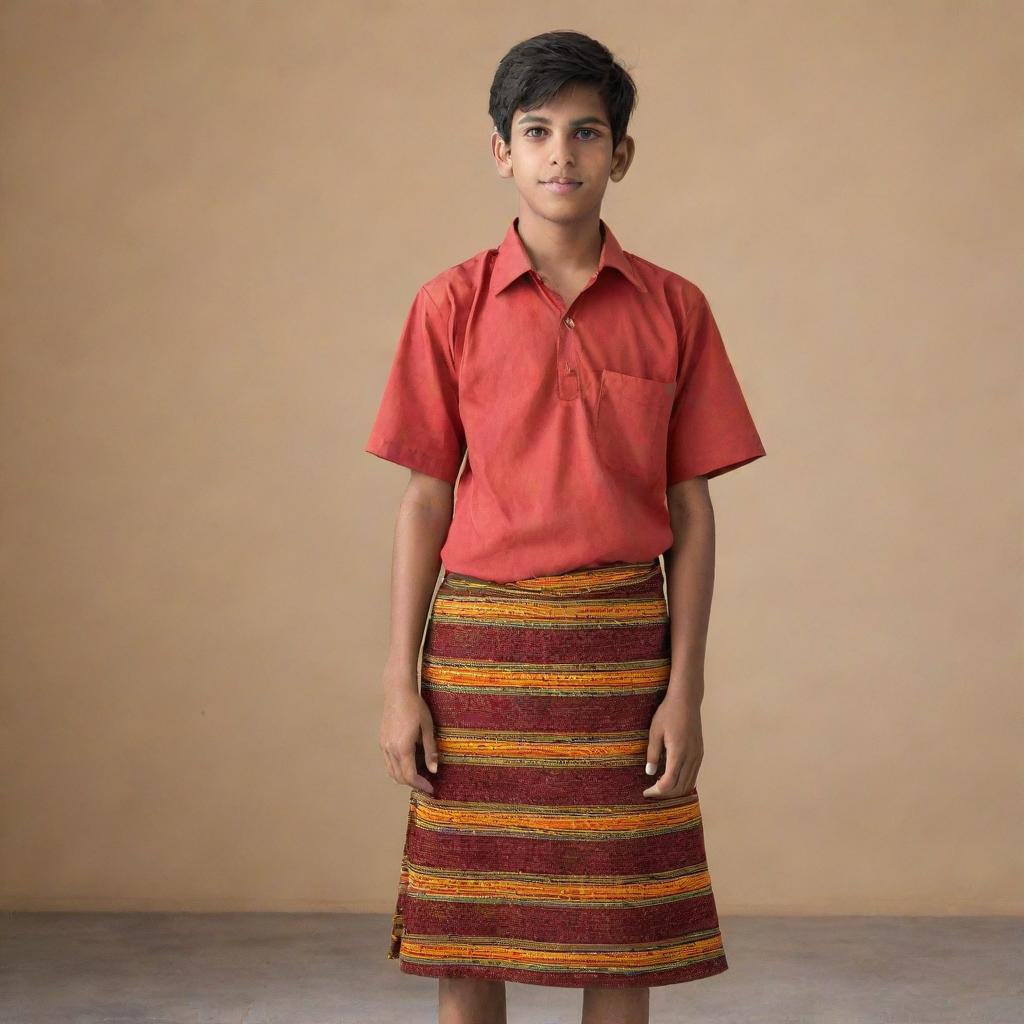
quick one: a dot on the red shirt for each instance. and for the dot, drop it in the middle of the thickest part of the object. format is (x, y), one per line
(576, 419)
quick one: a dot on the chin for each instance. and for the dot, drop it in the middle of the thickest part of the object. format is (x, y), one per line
(563, 207)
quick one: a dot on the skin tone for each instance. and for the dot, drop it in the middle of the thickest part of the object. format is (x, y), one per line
(568, 137)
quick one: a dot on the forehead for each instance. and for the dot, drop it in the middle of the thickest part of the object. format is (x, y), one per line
(572, 103)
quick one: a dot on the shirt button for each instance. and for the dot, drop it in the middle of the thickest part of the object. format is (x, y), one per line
(569, 322)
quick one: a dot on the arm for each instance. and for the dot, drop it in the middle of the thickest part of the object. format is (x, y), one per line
(424, 517)
(690, 575)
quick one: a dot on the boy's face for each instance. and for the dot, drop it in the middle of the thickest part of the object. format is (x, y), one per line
(569, 137)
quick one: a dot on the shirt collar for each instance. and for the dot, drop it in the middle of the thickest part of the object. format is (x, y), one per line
(512, 260)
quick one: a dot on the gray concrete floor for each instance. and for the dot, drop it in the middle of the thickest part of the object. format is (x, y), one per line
(86, 968)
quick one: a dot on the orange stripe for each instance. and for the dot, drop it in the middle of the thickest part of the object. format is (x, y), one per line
(593, 819)
(567, 678)
(567, 889)
(593, 612)
(575, 750)
(421, 948)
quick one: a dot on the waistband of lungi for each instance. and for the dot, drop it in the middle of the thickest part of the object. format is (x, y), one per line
(573, 581)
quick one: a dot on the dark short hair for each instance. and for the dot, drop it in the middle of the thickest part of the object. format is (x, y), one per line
(533, 71)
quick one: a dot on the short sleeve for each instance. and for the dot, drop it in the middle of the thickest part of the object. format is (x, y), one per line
(710, 428)
(418, 423)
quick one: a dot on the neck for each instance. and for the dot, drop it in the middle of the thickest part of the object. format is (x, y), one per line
(557, 250)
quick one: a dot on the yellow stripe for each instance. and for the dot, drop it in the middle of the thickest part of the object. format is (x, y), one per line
(580, 614)
(433, 883)
(597, 822)
(565, 678)
(539, 956)
(580, 581)
(599, 576)
(484, 745)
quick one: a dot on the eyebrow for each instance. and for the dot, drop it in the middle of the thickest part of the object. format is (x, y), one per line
(593, 119)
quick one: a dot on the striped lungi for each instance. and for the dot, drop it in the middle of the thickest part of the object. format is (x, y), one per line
(537, 859)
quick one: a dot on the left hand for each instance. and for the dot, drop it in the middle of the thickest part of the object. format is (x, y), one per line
(676, 729)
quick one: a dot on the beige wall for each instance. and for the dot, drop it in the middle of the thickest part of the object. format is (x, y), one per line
(214, 219)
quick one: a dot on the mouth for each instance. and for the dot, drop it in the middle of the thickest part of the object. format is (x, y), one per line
(561, 184)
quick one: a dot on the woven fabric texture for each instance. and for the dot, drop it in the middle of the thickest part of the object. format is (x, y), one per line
(537, 859)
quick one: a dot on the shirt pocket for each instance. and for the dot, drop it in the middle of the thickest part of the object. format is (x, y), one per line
(631, 424)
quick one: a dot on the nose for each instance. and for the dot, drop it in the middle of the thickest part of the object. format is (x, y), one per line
(561, 153)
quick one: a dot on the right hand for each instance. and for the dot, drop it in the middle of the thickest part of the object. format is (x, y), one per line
(406, 722)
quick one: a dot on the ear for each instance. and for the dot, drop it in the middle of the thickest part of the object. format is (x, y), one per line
(502, 154)
(622, 157)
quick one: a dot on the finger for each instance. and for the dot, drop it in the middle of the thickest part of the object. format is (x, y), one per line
(430, 749)
(684, 783)
(412, 777)
(691, 775)
(389, 764)
(690, 781)
(423, 784)
(664, 785)
(654, 748)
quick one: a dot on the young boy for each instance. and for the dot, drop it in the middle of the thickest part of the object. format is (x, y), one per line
(591, 395)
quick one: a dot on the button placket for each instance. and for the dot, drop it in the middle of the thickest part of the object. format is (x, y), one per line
(568, 378)
(565, 353)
